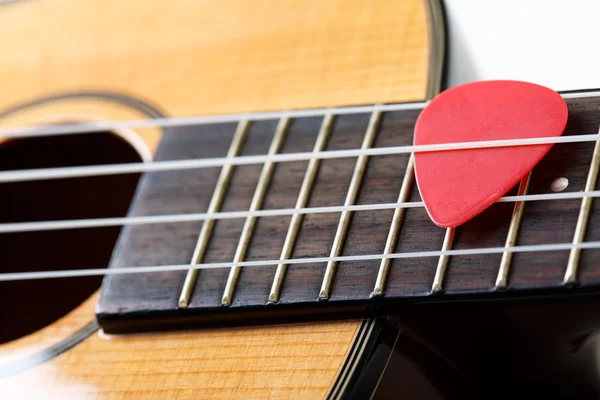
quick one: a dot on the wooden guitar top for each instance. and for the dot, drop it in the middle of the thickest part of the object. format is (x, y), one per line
(69, 60)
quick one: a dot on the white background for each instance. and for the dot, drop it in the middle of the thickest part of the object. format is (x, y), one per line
(555, 43)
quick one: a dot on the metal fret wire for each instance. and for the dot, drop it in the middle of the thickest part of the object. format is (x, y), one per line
(13, 276)
(307, 184)
(176, 218)
(116, 169)
(582, 219)
(397, 219)
(513, 232)
(440, 271)
(41, 130)
(215, 205)
(352, 194)
(257, 201)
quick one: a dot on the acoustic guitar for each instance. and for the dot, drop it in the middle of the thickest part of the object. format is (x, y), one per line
(205, 199)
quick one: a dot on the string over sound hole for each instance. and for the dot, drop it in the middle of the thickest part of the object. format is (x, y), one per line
(26, 306)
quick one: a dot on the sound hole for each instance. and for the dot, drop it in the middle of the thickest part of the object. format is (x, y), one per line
(27, 306)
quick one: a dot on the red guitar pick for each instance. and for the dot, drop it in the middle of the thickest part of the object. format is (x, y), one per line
(456, 185)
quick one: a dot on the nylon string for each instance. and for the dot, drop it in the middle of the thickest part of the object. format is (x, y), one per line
(116, 169)
(14, 276)
(33, 226)
(89, 127)
(69, 172)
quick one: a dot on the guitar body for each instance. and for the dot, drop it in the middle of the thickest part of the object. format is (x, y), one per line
(71, 62)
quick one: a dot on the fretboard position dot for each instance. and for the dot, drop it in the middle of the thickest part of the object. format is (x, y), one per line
(559, 184)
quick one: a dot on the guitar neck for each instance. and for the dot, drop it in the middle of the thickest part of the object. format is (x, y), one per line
(416, 270)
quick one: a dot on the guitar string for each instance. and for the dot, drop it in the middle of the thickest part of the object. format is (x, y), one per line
(154, 166)
(35, 226)
(90, 127)
(168, 122)
(438, 147)
(14, 276)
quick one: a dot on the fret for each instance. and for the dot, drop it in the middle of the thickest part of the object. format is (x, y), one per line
(257, 201)
(440, 272)
(214, 206)
(395, 225)
(130, 303)
(303, 196)
(511, 237)
(582, 219)
(344, 222)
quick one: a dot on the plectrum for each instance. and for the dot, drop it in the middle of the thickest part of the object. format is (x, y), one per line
(457, 185)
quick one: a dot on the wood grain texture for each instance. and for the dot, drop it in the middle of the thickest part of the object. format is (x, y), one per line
(154, 300)
(199, 57)
(92, 108)
(263, 363)
(39, 341)
(195, 58)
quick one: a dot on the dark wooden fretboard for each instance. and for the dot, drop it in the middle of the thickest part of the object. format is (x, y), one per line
(141, 301)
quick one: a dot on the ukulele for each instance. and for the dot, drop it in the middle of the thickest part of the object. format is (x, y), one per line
(216, 200)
